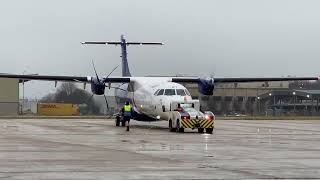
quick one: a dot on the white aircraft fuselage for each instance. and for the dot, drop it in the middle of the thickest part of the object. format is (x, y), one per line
(150, 95)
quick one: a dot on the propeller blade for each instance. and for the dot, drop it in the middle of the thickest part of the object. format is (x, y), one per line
(105, 98)
(113, 70)
(95, 71)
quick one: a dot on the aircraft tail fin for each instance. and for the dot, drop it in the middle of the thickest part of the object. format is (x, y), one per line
(124, 44)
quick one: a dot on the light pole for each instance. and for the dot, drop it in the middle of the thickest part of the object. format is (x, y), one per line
(258, 104)
(308, 96)
(270, 94)
(294, 101)
(22, 104)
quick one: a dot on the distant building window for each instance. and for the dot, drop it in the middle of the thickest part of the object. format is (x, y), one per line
(240, 98)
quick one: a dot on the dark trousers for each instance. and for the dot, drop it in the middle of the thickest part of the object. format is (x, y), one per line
(126, 118)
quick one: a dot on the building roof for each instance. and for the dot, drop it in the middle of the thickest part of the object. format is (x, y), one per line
(292, 92)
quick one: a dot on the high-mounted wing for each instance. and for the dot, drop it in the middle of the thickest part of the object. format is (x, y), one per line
(242, 80)
(64, 78)
(206, 85)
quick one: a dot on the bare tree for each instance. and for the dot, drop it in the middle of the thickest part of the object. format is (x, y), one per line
(70, 93)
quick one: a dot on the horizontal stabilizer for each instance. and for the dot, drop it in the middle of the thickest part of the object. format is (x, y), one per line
(119, 43)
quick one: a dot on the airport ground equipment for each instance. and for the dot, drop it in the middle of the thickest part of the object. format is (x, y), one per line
(184, 115)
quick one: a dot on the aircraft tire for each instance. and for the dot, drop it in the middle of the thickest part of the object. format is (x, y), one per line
(170, 126)
(209, 130)
(200, 130)
(123, 123)
(118, 119)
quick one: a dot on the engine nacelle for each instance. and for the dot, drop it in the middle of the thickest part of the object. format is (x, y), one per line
(206, 86)
(97, 87)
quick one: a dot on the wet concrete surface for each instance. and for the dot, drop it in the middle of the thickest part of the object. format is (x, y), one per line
(96, 149)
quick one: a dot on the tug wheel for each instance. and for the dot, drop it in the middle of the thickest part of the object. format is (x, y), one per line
(200, 130)
(209, 130)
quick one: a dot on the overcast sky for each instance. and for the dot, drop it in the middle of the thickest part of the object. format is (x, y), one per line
(230, 38)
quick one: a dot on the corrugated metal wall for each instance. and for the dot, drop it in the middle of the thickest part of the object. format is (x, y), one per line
(9, 96)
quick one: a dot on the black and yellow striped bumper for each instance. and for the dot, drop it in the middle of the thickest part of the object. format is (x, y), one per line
(197, 123)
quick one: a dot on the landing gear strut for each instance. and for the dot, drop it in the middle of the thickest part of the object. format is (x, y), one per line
(179, 129)
(172, 129)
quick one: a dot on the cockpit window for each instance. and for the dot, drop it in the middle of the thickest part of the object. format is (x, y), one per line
(155, 93)
(181, 92)
(160, 92)
(170, 92)
(187, 92)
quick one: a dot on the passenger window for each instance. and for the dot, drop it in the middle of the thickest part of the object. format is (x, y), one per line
(170, 92)
(160, 92)
(187, 92)
(181, 92)
(156, 92)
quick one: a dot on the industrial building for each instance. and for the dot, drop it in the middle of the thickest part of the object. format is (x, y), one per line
(261, 98)
(9, 96)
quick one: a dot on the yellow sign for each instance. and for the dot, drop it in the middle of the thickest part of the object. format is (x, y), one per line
(57, 109)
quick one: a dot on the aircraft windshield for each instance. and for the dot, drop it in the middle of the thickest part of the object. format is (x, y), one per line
(187, 92)
(160, 92)
(170, 92)
(156, 92)
(181, 92)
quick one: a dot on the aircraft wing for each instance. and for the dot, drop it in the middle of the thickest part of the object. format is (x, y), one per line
(241, 80)
(127, 79)
(64, 78)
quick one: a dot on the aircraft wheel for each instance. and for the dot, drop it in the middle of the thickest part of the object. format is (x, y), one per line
(209, 130)
(200, 130)
(123, 123)
(170, 126)
(118, 119)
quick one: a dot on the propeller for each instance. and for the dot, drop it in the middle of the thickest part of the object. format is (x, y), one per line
(95, 71)
(104, 81)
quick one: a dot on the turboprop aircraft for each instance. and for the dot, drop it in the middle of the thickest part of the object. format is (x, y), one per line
(150, 96)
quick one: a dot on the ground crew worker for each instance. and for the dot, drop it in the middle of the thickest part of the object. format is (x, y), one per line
(179, 108)
(127, 114)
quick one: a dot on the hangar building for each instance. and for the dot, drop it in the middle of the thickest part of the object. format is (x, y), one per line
(9, 96)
